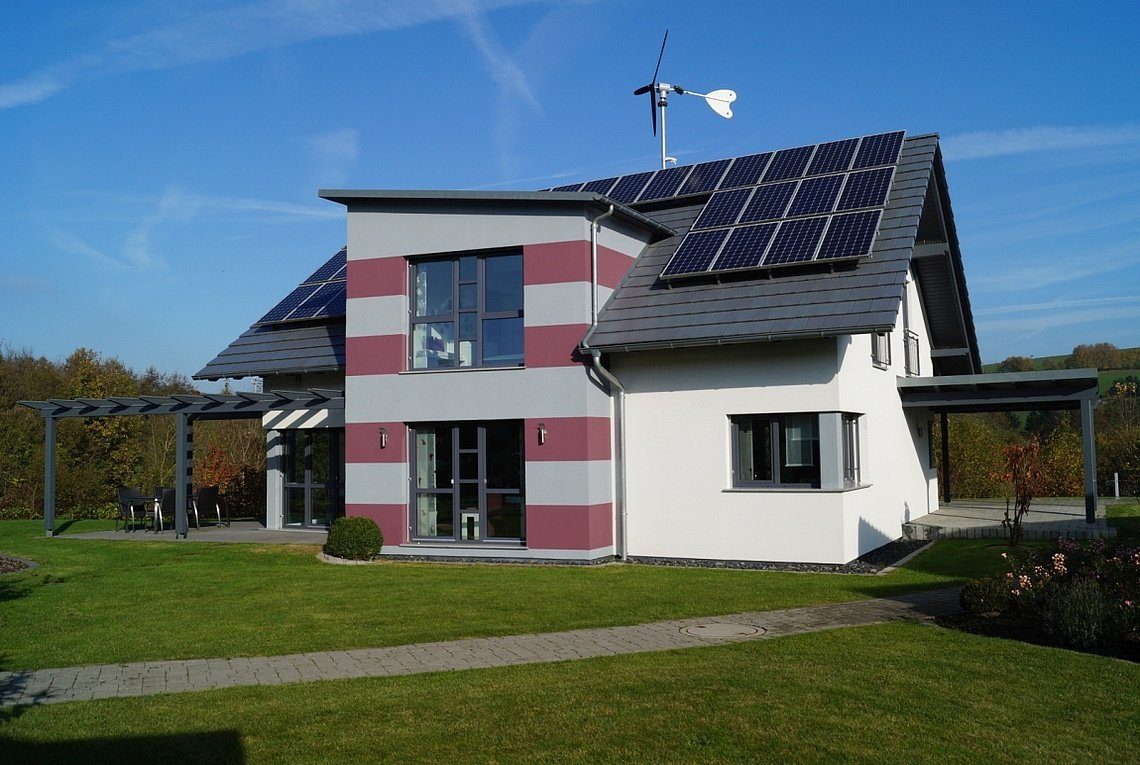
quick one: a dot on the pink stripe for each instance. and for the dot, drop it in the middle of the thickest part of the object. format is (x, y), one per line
(554, 346)
(568, 438)
(362, 442)
(556, 262)
(376, 277)
(375, 355)
(392, 520)
(569, 527)
(612, 266)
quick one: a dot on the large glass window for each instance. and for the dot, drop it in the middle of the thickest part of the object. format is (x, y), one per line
(468, 312)
(881, 349)
(468, 482)
(314, 476)
(851, 470)
(775, 450)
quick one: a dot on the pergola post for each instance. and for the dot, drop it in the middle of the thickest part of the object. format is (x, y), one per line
(1088, 440)
(181, 464)
(945, 458)
(49, 475)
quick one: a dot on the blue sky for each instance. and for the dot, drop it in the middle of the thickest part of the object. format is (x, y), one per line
(159, 161)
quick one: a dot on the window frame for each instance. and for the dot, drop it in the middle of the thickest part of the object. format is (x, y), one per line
(453, 317)
(911, 350)
(777, 450)
(850, 452)
(880, 348)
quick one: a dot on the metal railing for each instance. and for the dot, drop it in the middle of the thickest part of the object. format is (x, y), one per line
(910, 340)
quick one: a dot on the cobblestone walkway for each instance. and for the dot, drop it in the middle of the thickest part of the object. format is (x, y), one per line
(48, 686)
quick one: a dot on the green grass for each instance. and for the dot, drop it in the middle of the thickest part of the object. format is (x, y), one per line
(1126, 519)
(895, 693)
(94, 602)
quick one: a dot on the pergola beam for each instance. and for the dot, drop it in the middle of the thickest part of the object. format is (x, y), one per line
(49, 476)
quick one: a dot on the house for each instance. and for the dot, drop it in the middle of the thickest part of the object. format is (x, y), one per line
(696, 363)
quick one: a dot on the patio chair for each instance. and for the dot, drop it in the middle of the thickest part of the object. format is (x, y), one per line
(206, 502)
(134, 508)
(165, 510)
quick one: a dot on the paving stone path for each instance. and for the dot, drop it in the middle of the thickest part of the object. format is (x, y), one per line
(48, 686)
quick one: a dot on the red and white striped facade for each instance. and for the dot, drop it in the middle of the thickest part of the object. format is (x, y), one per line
(569, 476)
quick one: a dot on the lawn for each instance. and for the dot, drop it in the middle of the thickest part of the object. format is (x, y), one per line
(895, 693)
(1126, 519)
(107, 602)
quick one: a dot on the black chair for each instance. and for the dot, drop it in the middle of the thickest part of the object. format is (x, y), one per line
(134, 508)
(207, 501)
(165, 511)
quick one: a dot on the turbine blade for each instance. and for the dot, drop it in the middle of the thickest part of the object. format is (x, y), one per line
(643, 90)
(653, 112)
(660, 56)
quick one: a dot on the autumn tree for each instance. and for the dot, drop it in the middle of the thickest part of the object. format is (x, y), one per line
(1097, 355)
(1017, 364)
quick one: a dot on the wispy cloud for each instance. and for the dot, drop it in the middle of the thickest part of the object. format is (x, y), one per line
(506, 73)
(1053, 306)
(334, 153)
(1029, 326)
(236, 31)
(998, 143)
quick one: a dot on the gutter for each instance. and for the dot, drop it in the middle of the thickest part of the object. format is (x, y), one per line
(614, 386)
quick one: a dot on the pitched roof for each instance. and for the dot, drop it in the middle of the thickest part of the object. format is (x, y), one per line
(648, 312)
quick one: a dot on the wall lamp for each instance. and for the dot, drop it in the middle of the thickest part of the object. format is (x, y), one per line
(541, 433)
(383, 438)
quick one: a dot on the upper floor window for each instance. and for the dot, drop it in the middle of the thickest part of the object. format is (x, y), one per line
(912, 368)
(467, 311)
(881, 349)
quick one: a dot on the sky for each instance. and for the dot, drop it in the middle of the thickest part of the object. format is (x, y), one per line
(160, 161)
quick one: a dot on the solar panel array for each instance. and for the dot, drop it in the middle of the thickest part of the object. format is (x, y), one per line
(321, 296)
(818, 203)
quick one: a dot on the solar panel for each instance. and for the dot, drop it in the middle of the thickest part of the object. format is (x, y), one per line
(881, 149)
(746, 171)
(745, 247)
(291, 301)
(850, 236)
(628, 187)
(723, 208)
(696, 252)
(330, 268)
(832, 157)
(866, 189)
(788, 163)
(322, 302)
(665, 183)
(816, 195)
(601, 186)
(704, 177)
(768, 202)
(796, 241)
(571, 187)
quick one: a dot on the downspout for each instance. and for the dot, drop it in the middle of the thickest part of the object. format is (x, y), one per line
(615, 387)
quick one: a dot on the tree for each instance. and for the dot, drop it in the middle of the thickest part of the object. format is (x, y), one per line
(1098, 355)
(1017, 364)
(1026, 478)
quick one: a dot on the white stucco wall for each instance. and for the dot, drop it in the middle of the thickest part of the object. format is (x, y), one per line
(680, 501)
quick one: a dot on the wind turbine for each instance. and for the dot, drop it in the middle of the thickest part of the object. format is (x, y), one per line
(720, 101)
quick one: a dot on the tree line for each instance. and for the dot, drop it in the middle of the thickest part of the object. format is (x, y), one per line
(95, 456)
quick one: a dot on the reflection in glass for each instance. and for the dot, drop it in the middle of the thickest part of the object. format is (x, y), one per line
(502, 342)
(434, 516)
(433, 345)
(433, 288)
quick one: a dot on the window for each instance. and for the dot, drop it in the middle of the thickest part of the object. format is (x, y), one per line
(468, 482)
(775, 450)
(911, 353)
(851, 476)
(467, 312)
(881, 349)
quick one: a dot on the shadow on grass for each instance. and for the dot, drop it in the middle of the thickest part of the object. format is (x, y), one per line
(222, 747)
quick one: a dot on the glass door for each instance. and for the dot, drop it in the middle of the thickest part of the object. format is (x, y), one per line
(468, 480)
(314, 477)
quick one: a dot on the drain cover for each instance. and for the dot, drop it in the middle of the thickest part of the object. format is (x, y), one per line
(722, 630)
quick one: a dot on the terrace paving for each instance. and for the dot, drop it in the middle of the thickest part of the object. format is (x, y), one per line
(50, 686)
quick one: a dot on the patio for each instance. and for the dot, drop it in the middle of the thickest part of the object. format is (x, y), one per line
(249, 532)
(1048, 518)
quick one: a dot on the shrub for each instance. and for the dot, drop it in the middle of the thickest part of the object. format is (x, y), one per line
(355, 538)
(985, 596)
(1079, 614)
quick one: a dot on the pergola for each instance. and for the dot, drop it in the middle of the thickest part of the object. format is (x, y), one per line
(187, 409)
(1010, 392)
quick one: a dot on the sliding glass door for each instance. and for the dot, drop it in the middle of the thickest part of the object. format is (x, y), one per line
(314, 477)
(468, 482)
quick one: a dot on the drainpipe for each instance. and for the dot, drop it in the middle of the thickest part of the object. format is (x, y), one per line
(595, 227)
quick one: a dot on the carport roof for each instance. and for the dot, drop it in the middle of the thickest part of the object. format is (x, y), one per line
(1002, 391)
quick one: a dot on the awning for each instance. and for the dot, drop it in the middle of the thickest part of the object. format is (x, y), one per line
(1001, 391)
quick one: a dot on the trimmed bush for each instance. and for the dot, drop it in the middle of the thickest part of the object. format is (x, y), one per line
(985, 596)
(1079, 614)
(355, 538)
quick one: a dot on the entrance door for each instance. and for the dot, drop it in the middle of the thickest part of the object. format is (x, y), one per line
(314, 477)
(468, 480)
